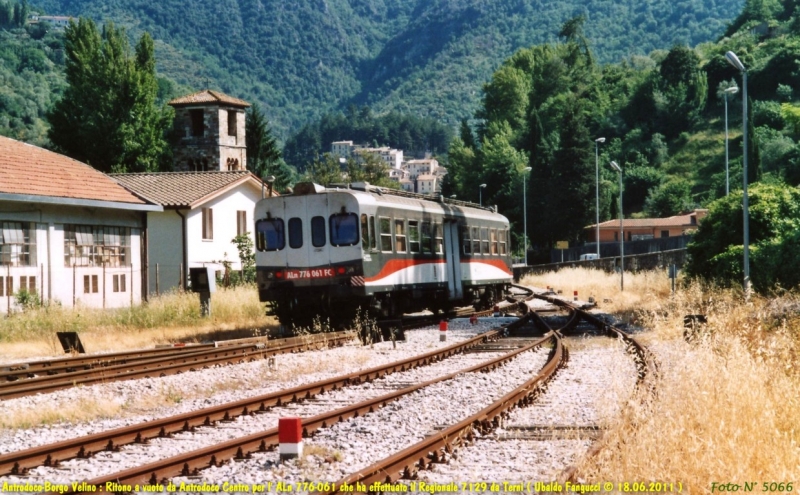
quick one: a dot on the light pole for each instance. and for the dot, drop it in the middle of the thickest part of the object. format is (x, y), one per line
(729, 91)
(525, 212)
(597, 192)
(480, 193)
(734, 61)
(621, 231)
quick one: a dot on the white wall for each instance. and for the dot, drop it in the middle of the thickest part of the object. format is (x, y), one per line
(204, 252)
(166, 249)
(54, 279)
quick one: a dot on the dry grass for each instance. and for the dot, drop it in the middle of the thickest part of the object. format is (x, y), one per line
(727, 408)
(172, 317)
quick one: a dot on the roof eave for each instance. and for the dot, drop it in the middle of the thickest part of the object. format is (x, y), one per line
(94, 203)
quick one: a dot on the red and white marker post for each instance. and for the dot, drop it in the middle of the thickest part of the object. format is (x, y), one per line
(290, 438)
(575, 296)
(443, 331)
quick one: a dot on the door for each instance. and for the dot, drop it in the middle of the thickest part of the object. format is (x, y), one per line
(452, 258)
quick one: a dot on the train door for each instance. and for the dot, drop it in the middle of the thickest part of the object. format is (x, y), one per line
(308, 232)
(452, 258)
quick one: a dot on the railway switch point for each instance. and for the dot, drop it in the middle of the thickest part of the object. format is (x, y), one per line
(443, 331)
(290, 438)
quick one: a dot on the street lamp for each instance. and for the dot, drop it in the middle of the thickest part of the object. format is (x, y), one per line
(729, 91)
(734, 61)
(480, 194)
(616, 167)
(597, 192)
(525, 212)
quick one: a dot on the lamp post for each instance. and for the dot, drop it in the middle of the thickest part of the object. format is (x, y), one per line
(480, 194)
(729, 91)
(597, 192)
(734, 61)
(616, 167)
(525, 212)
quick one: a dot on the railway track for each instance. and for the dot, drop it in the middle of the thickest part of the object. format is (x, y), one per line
(152, 363)
(262, 439)
(51, 455)
(408, 464)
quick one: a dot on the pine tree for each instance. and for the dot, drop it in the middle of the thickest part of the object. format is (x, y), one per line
(263, 154)
(107, 116)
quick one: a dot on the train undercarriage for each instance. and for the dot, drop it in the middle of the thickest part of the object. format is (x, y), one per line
(320, 310)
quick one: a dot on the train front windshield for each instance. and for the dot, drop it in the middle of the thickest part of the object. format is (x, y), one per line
(270, 234)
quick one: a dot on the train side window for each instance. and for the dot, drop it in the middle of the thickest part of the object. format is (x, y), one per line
(493, 239)
(413, 236)
(476, 240)
(465, 239)
(485, 240)
(427, 245)
(386, 234)
(344, 229)
(269, 234)
(373, 241)
(295, 233)
(317, 231)
(400, 235)
(438, 243)
(501, 236)
(364, 232)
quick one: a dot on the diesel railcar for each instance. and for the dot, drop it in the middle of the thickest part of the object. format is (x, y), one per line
(329, 251)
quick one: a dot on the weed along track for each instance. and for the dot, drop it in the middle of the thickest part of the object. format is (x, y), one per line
(47, 376)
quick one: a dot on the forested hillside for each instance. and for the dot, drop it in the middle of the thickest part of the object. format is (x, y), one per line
(304, 58)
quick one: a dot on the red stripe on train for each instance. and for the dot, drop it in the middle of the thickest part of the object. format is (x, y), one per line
(394, 266)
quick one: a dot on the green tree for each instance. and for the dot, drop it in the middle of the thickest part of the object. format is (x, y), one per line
(107, 116)
(716, 251)
(244, 244)
(670, 198)
(263, 154)
(324, 171)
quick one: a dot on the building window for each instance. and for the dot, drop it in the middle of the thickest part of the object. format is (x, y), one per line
(241, 222)
(90, 284)
(232, 123)
(28, 283)
(198, 126)
(87, 245)
(665, 233)
(6, 286)
(119, 283)
(17, 243)
(208, 224)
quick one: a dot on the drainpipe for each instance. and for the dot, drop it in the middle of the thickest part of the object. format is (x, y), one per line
(145, 246)
(185, 241)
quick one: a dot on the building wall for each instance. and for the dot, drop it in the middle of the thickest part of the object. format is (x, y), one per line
(607, 234)
(55, 281)
(213, 252)
(166, 250)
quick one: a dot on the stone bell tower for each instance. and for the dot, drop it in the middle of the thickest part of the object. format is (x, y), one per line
(210, 129)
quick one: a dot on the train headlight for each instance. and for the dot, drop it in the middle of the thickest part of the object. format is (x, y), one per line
(351, 270)
(269, 275)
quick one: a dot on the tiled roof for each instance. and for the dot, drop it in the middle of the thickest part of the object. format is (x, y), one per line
(29, 170)
(182, 189)
(674, 221)
(208, 96)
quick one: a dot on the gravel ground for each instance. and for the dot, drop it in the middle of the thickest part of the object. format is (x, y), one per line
(598, 375)
(318, 365)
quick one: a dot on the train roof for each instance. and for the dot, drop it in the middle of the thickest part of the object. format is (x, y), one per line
(367, 193)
